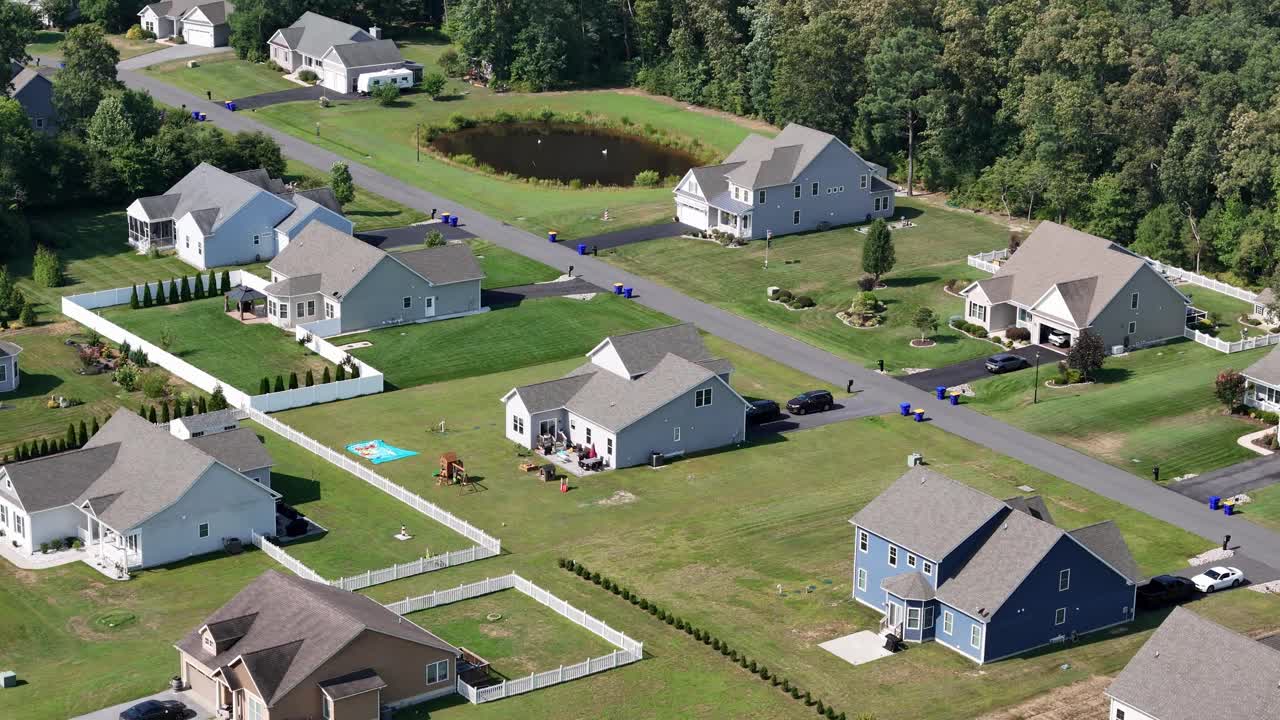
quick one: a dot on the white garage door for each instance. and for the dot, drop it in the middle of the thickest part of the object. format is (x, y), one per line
(198, 36)
(691, 215)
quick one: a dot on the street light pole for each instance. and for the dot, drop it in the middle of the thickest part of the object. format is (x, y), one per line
(768, 243)
(1035, 391)
(417, 144)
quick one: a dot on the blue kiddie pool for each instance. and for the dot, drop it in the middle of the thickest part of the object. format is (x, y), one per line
(378, 452)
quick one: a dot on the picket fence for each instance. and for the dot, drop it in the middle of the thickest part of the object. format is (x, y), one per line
(628, 650)
(986, 261)
(80, 308)
(1232, 347)
(275, 552)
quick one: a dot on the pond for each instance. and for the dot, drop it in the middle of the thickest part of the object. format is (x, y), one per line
(565, 152)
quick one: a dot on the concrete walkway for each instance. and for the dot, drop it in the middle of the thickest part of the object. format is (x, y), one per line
(1070, 465)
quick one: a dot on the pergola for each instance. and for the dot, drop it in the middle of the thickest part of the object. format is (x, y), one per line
(243, 296)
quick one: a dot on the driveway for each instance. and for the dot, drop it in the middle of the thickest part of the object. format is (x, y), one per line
(295, 94)
(632, 235)
(167, 54)
(411, 235)
(976, 369)
(1255, 571)
(113, 712)
(845, 408)
(1249, 475)
(517, 293)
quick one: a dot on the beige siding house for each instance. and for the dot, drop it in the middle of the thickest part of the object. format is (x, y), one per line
(1065, 280)
(285, 648)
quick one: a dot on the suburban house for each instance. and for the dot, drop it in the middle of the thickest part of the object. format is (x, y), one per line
(219, 434)
(650, 391)
(337, 52)
(341, 284)
(987, 578)
(33, 89)
(213, 218)
(1064, 280)
(137, 496)
(801, 180)
(199, 22)
(285, 648)
(1193, 668)
(73, 13)
(1262, 307)
(1262, 382)
(9, 366)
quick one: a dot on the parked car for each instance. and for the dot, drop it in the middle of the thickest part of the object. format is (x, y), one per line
(812, 401)
(1059, 338)
(1218, 578)
(1164, 590)
(1004, 362)
(155, 710)
(762, 411)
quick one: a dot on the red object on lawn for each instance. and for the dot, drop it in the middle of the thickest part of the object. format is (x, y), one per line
(564, 485)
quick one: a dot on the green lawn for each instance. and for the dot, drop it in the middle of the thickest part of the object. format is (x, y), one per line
(506, 268)
(1226, 308)
(1151, 407)
(529, 637)
(226, 76)
(1265, 508)
(368, 211)
(711, 537)
(362, 520)
(203, 335)
(512, 336)
(826, 267)
(48, 46)
(48, 368)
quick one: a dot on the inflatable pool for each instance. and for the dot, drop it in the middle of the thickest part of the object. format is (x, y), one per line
(378, 452)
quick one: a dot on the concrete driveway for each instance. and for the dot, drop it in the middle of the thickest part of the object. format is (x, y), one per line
(195, 711)
(167, 54)
(1242, 477)
(411, 235)
(976, 369)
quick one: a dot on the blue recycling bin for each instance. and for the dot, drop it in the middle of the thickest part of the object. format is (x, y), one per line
(582, 249)
(955, 399)
(905, 408)
(1228, 510)
(551, 235)
(1214, 502)
(453, 221)
(941, 391)
(919, 416)
(195, 115)
(626, 292)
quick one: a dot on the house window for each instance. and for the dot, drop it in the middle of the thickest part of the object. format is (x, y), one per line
(893, 556)
(4, 373)
(862, 541)
(977, 312)
(253, 708)
(975, 635)
(675, 435)
(813, 189)
(284, 310)
(1060, 616)
(913, 618)
(1119, 714)
(204, 530)
(328, 310)
(702, 398)
(545, 427)
(437, 671)
(188, 240)
(299, 310)
(862, 182)
(762, 196)
(20, 525)
(517, 424)
(608, 446)
(199, 247)
(1024, 315)
(911, 560)
(948, 621)
(326, 708)
(1064, 580)
(797, 191)
(928, 568)
(928, 618)
(131, 543)
(1133, 327)
(862, 579)
(795, 217)
(271, 307)
(429, 304)
(4, 515)
(311, 308)
(256, 239)
(1133, 301)
(39, 123)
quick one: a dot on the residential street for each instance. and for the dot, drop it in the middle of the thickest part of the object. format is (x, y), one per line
(874, 389)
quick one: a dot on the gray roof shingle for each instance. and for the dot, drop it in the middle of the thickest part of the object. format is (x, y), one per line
(769, 162)
(314, 34)
(240, 449)
(1192, 668)
(443, 265)
(207, 192)
(9, 349)
(1005, 559)
(641, 350)
(1105, 540)
(297, 626)
(927, 512)
(216, 421)
(60, 479)
(363, 54)
(908, 586)
(614, 402)
(1266, 369)
(345, 686)
(339, 259)
(1032, 505)
(34, 91)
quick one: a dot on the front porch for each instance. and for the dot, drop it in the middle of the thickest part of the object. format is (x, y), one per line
(108, 551)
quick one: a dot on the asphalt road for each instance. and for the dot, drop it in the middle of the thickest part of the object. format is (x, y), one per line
(976, 369)
(1255, 571)
(873, 388)
(1242, 477)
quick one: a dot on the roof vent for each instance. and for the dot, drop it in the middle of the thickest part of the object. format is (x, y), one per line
(375, 32)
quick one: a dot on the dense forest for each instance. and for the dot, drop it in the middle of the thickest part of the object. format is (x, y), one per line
(1155, 122)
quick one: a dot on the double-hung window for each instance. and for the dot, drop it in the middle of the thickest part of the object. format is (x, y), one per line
(762, 197)
(702, 398)
(796, 191)
(675, 435)
(928, 568)
(203, 530)
(4, 373)
(311, 308)
(862, 579)
(1060, 616)
(1064, 580)
(284, 311)
(862, 182)
(813, 189)
(913, 618)
(975, 635)
(588, 436)
(407, 302)
(253, 708)
(862, 541)
(1133, 301)
(893, 556)
(608, 446)
(437, 672)
(911, 560)
(299, 310)
(928, 618)
(795, 217)
(517, 424)
(948, 621)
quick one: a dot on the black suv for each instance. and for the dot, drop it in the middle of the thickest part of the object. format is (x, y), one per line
(762, 411)
(812, 401)
(1164, 590)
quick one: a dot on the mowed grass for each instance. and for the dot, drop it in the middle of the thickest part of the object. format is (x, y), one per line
(205, 336)
(1265, 508)
(1151, 407)
(49, 368)
(362, 521)
(826, 267)
(507, 268)
(713, 536)
(507, 337)
(225, 76)
(528, 638)
(48, 46)
(383, 138)
(1227, 309)
(368, 211)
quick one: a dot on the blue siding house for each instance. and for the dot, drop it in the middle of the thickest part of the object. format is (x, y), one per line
(987, 578)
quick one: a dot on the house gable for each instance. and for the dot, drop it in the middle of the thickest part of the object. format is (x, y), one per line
(689, 184)
(606, 356)
(196, 15)
(1054, 305)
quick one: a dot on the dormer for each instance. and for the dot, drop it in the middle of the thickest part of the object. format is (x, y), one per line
(218, 637)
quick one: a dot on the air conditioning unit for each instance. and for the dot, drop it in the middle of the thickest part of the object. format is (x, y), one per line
(1117, 349)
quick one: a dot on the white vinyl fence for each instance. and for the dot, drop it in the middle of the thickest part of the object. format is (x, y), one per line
(276, 553)
(80, 308)
(628, 649)
(987, 261)
(372, 577)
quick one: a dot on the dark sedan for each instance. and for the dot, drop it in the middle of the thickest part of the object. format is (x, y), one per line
(1004, 362)
(1165, 590)
(155, 710)
(763, 411)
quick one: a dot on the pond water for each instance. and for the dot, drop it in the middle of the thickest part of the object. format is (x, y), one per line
(565, 152)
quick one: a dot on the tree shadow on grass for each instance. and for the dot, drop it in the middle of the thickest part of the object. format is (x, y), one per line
(33, 385)
(1107, 376)
(910, 281)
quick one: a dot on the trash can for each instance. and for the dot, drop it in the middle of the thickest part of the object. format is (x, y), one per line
(453, 221)
(915, 459)
(617, 288)
(941, 391)
(195, 115)
(1228, 509)
(582, 248)
(1214, 502)
(551, 235)
(955, 398)
(656, 459)
(626, 292)
(905, 408)
(919, 415)
(444, 217)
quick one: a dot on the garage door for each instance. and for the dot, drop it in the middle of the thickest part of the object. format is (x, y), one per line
(203, 687)
(691, 215)
(198, 36)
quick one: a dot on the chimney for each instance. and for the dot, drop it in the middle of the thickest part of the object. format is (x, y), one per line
(375, 32)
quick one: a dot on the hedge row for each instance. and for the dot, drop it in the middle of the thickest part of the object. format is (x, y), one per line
(181, 291)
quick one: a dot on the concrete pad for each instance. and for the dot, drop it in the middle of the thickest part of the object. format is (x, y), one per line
(195, 709)
(857, 649)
